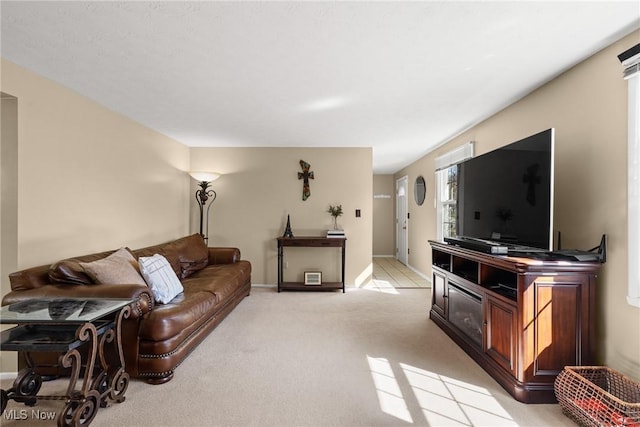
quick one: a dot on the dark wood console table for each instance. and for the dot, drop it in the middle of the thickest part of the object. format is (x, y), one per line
(310, 242)
(521, 319)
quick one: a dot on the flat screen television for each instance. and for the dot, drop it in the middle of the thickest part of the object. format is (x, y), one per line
(505, 197)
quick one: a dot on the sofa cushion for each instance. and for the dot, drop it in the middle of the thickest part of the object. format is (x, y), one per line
(117, 268)
(192, 253)
(180, 317)
(160, 277)
(69, 271)
(220, 280)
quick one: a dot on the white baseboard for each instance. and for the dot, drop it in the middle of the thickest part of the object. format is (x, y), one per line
(424, 276)
(259, 285)
(8, 375)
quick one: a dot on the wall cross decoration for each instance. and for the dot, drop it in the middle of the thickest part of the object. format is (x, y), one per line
(305, 175)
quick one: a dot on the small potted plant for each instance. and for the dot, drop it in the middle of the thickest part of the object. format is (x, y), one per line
(335, 212)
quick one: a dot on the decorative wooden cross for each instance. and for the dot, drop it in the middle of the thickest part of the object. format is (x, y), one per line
(305, 175)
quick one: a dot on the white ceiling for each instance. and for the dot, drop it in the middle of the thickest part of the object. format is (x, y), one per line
(401, 77)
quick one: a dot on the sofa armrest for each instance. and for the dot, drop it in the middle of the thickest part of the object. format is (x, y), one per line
(140, 293)
(223, 255)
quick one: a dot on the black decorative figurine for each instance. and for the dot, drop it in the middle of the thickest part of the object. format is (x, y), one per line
(287, 230)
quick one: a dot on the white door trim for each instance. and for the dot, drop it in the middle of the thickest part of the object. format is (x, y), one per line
(402, 221)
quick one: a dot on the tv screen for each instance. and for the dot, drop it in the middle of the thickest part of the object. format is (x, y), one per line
(506, 195)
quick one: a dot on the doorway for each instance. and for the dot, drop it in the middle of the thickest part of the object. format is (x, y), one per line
(402, 220)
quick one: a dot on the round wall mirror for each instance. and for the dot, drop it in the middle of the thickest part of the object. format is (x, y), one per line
(420, 190)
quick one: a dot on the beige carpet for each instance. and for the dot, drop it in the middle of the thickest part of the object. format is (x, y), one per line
(364, 358)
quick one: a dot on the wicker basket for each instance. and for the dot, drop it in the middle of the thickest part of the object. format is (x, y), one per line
(598, 396)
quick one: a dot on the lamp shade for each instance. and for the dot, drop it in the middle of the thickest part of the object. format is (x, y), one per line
(204, 176)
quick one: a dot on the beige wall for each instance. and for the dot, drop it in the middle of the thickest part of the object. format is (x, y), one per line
(384, 216)
(8, 199)
(88, 179)
(587, 106)
(420, 228)
(9, 191)
(260, 186)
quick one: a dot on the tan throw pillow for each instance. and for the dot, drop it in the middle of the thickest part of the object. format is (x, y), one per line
(118, 268)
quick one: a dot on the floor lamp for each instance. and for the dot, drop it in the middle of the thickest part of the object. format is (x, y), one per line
(204, 195)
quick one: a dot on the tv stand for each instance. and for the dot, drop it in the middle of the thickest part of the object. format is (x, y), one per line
(521, 319)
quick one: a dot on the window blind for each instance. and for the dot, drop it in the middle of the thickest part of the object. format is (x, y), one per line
(454, 156)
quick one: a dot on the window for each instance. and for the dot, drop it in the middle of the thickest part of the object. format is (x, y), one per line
(631, 62)
(448, 198)
(447, 189)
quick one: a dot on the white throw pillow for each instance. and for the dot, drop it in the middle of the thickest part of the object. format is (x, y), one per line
(160, 277)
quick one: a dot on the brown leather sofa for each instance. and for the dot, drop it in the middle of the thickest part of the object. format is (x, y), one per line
(156, 337)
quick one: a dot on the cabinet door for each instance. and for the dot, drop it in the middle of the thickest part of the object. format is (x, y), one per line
(556, 325)
(501, 337)
(438, 293)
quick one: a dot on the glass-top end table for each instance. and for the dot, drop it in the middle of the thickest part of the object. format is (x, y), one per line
(60, 310)
(63, 325)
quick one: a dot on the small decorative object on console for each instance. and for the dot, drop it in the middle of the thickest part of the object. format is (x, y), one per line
(287, 230)
(335, 212)
(313, 278)
(332, 234)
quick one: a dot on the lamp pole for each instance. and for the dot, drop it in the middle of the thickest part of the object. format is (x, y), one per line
(202, 197)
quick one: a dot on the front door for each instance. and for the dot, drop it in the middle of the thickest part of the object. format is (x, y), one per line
(402, 220)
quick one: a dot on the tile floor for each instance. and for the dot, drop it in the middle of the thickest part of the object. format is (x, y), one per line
(389, 272)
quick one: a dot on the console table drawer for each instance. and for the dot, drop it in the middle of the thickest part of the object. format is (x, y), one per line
(309, 242)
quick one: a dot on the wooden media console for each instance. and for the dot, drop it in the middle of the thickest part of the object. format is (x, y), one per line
(521, 319)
